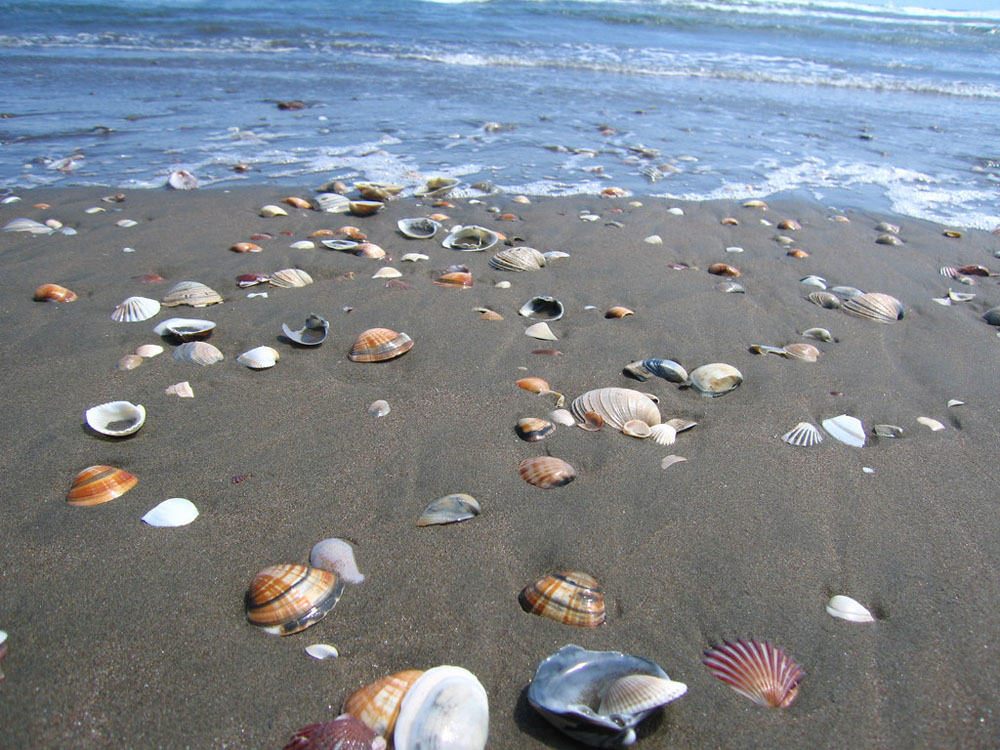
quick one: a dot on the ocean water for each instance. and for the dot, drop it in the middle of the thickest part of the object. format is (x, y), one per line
(843, 103)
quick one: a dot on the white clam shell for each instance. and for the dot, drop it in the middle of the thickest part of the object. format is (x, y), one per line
(199, 353)
(135, 309)
(184, 328)
(847, 430)
(259, 358)
(617, 406)
(288, 278)
(847, 608)
(175, 511)
(321, 651)
(148, 350)
(933, 424)
(415, 257)
(447, 709)
(715, 379)
(563, 417)
(803, 435)
(116, 418)
(387, 272)
(379, 408)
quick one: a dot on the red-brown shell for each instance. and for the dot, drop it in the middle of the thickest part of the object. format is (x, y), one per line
(379, 345)
(284, 599)
(569, 597)
(346, 732)
(533, 384)
(54, 293)
(546, 472)
(99, 484)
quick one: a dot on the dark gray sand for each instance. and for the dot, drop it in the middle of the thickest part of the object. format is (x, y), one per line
(122, 635)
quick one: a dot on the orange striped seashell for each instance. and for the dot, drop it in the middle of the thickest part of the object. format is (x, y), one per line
(723, 269)
(572, 598)
(507, 217)
(284, 599)
(246, 247)
(351, 233)
(54, 293)
(379, 344)
(618, 312)
(296, 202)
(377, 705)
(99, 484)
(459, 279)
(546, 472)
(763, 673)
(322, 233)
(535, 385)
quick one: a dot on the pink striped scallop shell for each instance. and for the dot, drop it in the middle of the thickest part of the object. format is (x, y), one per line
(759, 671)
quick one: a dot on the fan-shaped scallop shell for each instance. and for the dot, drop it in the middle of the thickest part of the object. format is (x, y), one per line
(875, 306)
(99, 484)
(377, 704)
(285, 599)
(471, 238)
(199, 353)
(343, 733)
(521, 258)
(419, 228)
(546, 472)
(192, 293)
(54, 293)
(763, 673)
(288, 278)
(134, 309)
(617, 406)
(379, 345)
(803, 435)
(569, 597)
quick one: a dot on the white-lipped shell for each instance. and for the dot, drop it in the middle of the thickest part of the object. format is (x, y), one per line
(471, 238)
(259, 358)
(387, 272)
(847, 430)
(175, 511)
(198, 352)
(116, 418)
(848, 609)
(135, 309)
(803, 435)
(636, 428)
(617, 406)
(336, 556)
(184, 329)
(445, 709)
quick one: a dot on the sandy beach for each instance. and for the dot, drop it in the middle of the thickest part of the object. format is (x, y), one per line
(124, 635)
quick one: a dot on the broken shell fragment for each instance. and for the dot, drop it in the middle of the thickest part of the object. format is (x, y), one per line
(449, 509)
(173, 512)
(322, 652)
(618, 312)
(540, 331)
(436, 187)
(199, 353)
(116, 418)
(820, 334)
(460, 279)
(542, 307)
(313, 333)
(387, 272)
(723, 269)
(364, 208)
(533, 429)
(846, 608)
(135, 309)
(181, 390)
(803, 435)
(759, 671)
(284, 599)
(336, 556)
(379, 345)
(846, 429)
(379, 408)
(636, 428)
(933, 424)
(546, 472)
(259, 358)
(246, 247)
(715, 379)
(99, 484)
(887, 431)
(570, 597)
(55, 293)
(192, 293)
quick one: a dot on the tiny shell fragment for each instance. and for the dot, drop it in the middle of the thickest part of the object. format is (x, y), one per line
(670, 460)
(932, 423)
(182, 389)
(321, 651)
(379, 408)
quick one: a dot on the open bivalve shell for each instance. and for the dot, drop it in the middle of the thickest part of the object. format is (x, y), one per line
(116, 418)
(418, 228)
(377, 704)
(520, 258)
(199, 353)
(259, 358)
(378, 191)
(542, 307)
(312, 334)
(192, 293)
(569, 597)
(599, 697)
(135, 309)
(379, 345)
(436, 187)
(617, 406)
(471, 238)
(446, 707)
(99, 484)
(184, 329)
(284, 599)
(715, 379)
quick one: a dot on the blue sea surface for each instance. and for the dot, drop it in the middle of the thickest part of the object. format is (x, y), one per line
(848, 104)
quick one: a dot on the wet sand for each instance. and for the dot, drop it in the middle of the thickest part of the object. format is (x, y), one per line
(130, 636)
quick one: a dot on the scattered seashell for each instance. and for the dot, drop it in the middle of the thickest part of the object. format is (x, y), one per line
(99, 484)
(563, 417)
(460, 279)
(826, 300)
(802, 352)
(343, 733)
(789, 225)
(569, 597)
(681, 423)
(663, 434)
(540, 331)
(592, 421)
(321, 652)
(599, 697)
(296, 202)
(379, 345)
(199, 353)
(135, 309)
(670, 460)
(820, 334)
(502, 285)
(129, 362)
(888, 239)
(379, 408)
(763, 673)
(284, 599)
(618, 312)
(667, 369)
(289, 278)
(419, 228)
(715, 379)
(336, 556)
(181, 179)
(729, 221)
(331, 203)
(449, 509)
(175, 511)
(191, 293)
(546, 472)
(377, 704)
(520, 258)
(723, 269)
(27, 225)
(378, 191)
(888, 430)
(542, 307)
(955, 402)
(848, 609)
(387, 272)
(116, 418)
(55, 293)
(797, 253)
(148, 350)
(259, 358)
(803, 435)
(636, 428)
(251, 279)
(755, 203)
(533, 429)
(414, 257)
(653, 239)
(184, 329)
(313, 333)
(845, 429)
(933, 424)
(445, 707)
(303, 245)
(182, 390)
(887, 227)
(471, 238)
(436, 187)
(616, 406)
(126, 223)
(813, 280)
(270, 211)
(875, 306)
(246, 247)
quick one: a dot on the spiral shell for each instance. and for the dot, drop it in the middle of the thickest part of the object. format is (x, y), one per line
(569, 597)
(379, 345)
(546, 472)
(377, 704)
(284, 599)
(617, 406)
(99, 484)
(54, 293)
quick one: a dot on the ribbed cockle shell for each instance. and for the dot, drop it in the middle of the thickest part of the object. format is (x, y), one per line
(379, 344)
(546, 472)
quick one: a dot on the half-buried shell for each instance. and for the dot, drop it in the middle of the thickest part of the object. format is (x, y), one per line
(199, 353)
(379, 345)
(284, 599)
(100, 484)
(288, 278)
(450, 509)
(184, 329)
(569, 597)
(521, 258)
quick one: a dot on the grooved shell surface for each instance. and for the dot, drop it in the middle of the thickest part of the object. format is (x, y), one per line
(284, 599)
(198, 352)
(763, 673)
(99, 484)
(617, 406)
(876, 306)
(377, 704)
(521, 258)
(379, 345)
(192, 293)
(572, 598)
(134, 309)
(546, 472)
(288, 278)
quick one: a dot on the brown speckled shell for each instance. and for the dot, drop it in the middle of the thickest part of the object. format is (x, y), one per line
(99, 484)
(285, 599)
(570, 597)
(546, 472)
(379, 344)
